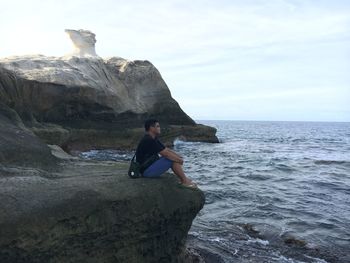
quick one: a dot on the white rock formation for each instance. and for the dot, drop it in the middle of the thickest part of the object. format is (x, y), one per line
(117, 84)
(83, 41)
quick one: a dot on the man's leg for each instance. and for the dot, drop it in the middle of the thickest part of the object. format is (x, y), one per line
(158, 167)
(162, 165)
(177, 169)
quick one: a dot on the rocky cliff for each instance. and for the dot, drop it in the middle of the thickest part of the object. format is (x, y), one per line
(58, 208)
(83, 101)
(92, 212)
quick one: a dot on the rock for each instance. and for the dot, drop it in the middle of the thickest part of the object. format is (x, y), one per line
(122, 139)
(93, 212)
(81, 89)
(60, 153)
(58, 208)
(19, 146)
(75, 97)
(83, 41)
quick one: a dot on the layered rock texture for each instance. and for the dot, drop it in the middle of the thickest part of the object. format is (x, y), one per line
(92, 212)
(81, 102)
(58, 208)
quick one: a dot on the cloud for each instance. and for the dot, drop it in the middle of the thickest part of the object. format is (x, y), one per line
(204, 49)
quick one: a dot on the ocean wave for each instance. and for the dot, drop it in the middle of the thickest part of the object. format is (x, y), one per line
(331, 162)
(279, 177)
(256, 176)
(284, 168)
(259, 241)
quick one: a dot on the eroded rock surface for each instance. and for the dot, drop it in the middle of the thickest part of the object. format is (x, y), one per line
(58, 208)
(83, 42)
(93, 212)
(67, 99)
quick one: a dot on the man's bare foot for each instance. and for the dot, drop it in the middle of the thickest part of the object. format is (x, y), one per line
(189, 183)
(193, 186)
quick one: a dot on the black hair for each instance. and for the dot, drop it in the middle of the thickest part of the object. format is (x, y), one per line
(149, 123)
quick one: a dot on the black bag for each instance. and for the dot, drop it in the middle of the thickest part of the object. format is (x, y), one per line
(134, 168)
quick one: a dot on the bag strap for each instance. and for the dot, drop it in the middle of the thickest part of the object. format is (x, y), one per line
(133, 157)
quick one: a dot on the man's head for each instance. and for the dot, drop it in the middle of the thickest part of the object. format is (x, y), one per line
(152, 126)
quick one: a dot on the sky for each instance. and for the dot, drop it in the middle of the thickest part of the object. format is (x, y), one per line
(279, 60)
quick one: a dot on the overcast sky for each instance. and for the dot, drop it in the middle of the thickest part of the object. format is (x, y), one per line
(233, 60)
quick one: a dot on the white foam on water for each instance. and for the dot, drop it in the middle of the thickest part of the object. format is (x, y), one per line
(178, 141)
(216, 239)
(317, 260)
(283, 259)
(258, 240)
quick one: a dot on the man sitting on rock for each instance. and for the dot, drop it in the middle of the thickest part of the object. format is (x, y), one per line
(150, 145)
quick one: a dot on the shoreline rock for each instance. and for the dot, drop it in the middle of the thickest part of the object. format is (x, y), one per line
(71, 139)
(59, 208)
(93, 212)
(60, 97)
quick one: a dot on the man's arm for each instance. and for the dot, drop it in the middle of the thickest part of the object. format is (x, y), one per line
(168, 153)
(175, 153)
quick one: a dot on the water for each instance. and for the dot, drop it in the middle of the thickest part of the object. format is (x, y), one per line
(275, 191)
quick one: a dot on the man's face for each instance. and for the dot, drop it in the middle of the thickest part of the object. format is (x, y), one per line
(156, 128)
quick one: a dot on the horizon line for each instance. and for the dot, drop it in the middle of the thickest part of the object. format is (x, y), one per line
(270, 120)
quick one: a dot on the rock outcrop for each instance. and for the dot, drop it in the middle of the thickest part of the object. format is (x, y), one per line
(20, 147)
(68, 100)
(83, 41)
(93, 212)
(80, 89)
(58, 208)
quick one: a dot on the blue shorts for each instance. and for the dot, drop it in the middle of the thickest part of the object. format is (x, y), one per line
(158, 167)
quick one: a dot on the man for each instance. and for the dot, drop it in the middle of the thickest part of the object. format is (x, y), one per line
(150, 145)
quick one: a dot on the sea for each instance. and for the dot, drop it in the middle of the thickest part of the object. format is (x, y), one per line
(275, 191)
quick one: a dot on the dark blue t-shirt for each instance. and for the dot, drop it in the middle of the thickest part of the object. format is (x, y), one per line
(148, 147)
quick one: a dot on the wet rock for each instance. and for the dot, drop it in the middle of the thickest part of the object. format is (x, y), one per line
(294, 241)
